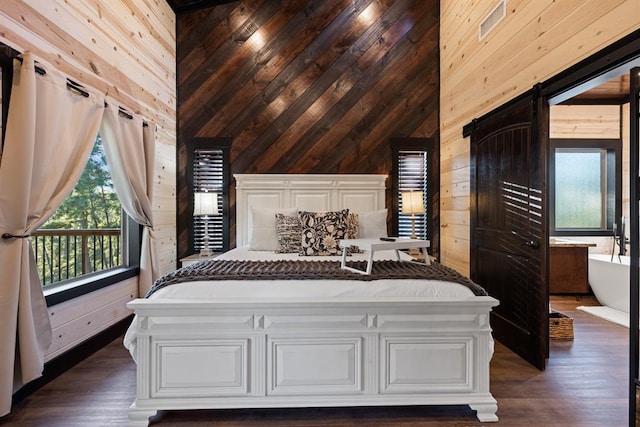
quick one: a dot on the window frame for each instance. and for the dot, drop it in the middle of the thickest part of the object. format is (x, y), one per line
(6, 65)
(611, 146)
(69, 289)
(430, 146)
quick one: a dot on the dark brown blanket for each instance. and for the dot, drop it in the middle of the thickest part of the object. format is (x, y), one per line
(311, 270)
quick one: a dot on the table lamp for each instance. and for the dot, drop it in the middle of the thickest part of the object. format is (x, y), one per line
(204, 205)
(412, 203)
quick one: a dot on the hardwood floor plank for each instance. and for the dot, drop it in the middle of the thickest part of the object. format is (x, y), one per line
(584, 385)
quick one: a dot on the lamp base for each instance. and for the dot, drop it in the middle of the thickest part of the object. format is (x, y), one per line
(414, 252)
(205, 252)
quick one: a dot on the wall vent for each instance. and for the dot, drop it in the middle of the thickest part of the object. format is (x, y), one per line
(493, 19)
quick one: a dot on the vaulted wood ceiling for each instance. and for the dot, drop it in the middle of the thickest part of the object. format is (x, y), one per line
(615, 89)
(183, 6)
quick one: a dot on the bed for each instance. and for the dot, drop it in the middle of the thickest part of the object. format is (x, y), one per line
(298, 342)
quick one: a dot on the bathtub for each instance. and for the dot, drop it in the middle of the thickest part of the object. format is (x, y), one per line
(609, 280)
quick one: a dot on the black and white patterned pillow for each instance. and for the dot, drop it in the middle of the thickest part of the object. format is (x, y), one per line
(321, 232)
(353, 231)
(289, 234)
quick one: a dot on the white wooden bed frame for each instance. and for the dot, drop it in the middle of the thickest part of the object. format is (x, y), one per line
(302, 353)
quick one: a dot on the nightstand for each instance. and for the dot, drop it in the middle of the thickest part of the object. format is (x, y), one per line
(192, 259)
(417, 257)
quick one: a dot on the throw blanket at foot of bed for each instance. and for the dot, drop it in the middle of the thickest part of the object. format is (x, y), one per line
(311, 270)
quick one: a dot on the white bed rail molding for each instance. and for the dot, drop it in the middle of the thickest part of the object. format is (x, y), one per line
(262, 354)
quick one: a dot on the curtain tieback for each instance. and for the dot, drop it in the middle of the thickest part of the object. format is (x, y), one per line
(7, 236)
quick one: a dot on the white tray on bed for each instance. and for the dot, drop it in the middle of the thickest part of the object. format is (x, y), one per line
(373, 245)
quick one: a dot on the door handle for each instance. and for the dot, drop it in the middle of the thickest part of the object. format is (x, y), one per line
(532, 244)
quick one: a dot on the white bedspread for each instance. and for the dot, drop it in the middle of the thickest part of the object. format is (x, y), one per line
(255, 290)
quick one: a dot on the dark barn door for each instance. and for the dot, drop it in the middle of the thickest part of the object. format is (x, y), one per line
(509, 233)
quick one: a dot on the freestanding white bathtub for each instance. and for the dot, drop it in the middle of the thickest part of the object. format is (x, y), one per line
(610, 280)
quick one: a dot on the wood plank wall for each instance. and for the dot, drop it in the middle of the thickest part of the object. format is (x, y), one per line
(535, 41)
(306, 86)
(126, 49)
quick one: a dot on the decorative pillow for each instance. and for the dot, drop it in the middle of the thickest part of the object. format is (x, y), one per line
(263, 232)
(352, 226)
(321, 232)
(353, 231)
(289, 232)
(372, 224)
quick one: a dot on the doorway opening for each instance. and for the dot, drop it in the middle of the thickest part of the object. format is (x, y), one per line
(593, 112)
(588, 200)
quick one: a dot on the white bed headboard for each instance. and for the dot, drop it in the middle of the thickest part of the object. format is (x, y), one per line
(321, 192)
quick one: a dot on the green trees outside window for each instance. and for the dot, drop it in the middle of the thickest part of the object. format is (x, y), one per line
(84, 235)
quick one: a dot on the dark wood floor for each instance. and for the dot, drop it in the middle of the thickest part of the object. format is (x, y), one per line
(584, 385)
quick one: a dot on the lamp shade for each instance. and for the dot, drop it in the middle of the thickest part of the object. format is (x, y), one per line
(205, 204)
(412, 202)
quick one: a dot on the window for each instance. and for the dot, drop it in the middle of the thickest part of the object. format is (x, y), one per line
(415, 168)
(88, 243)
(208, 170)
(84, 235)
(209, 166)
(412, 176)
(585, 195)
(6, 75)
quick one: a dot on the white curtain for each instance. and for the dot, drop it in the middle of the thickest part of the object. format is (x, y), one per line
(130, 150)
(49, 137)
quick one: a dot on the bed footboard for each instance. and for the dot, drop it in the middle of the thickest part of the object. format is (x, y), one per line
(257, 354)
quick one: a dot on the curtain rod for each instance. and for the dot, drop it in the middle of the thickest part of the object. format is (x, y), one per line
(77, 87)
(38, 69)
(71, 85)
(74, 86)
(124, 113)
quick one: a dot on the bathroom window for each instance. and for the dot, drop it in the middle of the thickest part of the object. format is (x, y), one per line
(586, 186)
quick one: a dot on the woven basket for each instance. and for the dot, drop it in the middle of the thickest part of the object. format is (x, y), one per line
(560, 326)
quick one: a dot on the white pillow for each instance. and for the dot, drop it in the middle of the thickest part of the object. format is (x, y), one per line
(263, 232)
(372, 224)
